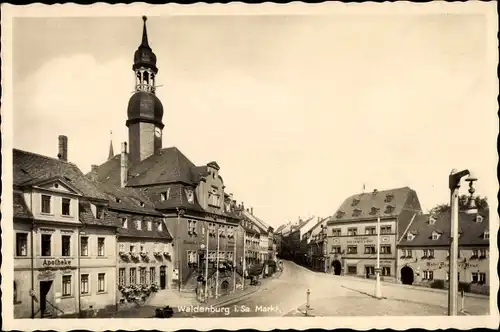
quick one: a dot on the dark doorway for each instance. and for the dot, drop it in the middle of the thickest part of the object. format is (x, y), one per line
(44, 290)
(407, 275)
(337, 267)
(163, 277)
(224, 286)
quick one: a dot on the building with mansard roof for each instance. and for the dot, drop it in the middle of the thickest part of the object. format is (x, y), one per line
(65, 247)
(352, 236)
(423, 251)
(191, 197)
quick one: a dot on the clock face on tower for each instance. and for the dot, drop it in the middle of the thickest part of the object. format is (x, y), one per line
(157, 132)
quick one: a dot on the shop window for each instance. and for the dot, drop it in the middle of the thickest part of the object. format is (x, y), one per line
(336, 249)
(351, 269)
(385, 249)
(428, 275)
(386, 270)
(46, 203)
(84, 288)
(66, 207)
(121, 276)
(84, 246)
(369, 249)
(66, 245)
(101, 282)
(100, 246)
(152, 274)
(142, 275)
(482, 278)
(370, 270)
(66, 285)
(21, 244)
(352, 250)
(46, 244)
(133, 276)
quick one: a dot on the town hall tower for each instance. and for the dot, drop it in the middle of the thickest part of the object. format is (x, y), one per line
(145, 111)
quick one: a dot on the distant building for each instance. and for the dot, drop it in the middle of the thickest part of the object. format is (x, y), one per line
(296, 242)
(352, 236)
(266, 237)
(65, 247)
(423, 252)
(317, 246)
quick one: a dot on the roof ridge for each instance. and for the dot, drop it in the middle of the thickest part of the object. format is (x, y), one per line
(42, 156)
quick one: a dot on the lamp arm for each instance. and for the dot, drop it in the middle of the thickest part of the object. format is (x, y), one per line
(455, 177)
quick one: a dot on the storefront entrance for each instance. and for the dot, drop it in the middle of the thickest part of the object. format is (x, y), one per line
(163, 277)
(44, 296)
(407, 277)
(337, 267)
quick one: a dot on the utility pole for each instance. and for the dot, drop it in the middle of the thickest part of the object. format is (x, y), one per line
(244, 257)
(378, 290)
(234, 261)
(206, 267)
(454, 186)
(217, 266)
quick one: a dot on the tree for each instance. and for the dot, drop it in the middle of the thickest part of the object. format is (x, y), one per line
(463, 204)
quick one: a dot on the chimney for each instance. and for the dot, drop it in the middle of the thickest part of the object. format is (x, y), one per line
(251, 211)
(242, 206)
(93, 172)
(231, 196)
(124, 166)
(375, 191)
(63, 148)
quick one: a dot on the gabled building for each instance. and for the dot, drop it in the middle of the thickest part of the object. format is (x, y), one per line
(266, 237)
(352, 236)
(191, 198)
(423, 251)
(317, 253)
(64, 247)
(296, 240)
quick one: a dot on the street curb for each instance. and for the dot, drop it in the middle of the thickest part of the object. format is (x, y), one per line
(425, 289)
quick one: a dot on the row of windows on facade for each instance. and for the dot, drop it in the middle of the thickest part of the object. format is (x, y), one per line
(144, 276)
(476, 277)
(370, 270)
(46, 245)
(222, 230)
(370, 230)
(212, 255)
(357, 212)
(429, 253)
(213, 198)
(436, 235)
(138, 224)
(46, 205)
(157, 247)
(85, 289)
(369, 249)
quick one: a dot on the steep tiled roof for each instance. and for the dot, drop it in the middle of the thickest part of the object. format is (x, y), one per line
(386, 203)
(471, 230)
(246, 214)
(30, 167)
(127, 199)
(20, 208)
(168, 165)
(176, 197)
(317, 228)
(301, 224)
(280, 228)
(87, 217)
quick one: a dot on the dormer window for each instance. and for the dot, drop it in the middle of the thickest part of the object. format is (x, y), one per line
(356, 212)
(410, 236)
(160, 226)
(138, 224)
(486, 235)
(388, 198)
(165, 195)
(117, 200)
(99, 211)
(374, 210)
(150, 225)
(141, 204)
(355, 201)
(479, 218)
(389, 209)
(435, 235)
(124, 223)
(340, 214)
(432, 220)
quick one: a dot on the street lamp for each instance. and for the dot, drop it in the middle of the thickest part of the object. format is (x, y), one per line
(454, 185)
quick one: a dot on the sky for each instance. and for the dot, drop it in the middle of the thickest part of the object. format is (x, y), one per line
(299, 111)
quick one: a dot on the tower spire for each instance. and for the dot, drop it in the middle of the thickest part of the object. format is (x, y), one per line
(145, 34)
(111, 152)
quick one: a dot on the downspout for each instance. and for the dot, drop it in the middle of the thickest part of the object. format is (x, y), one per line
(117, 274)
(78, 270)
(32, 260)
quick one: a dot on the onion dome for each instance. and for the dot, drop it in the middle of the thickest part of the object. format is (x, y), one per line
(144, 56)
(146, 107)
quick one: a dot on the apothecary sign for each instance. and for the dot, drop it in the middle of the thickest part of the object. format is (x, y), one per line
(56, 262)
(361, 239)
